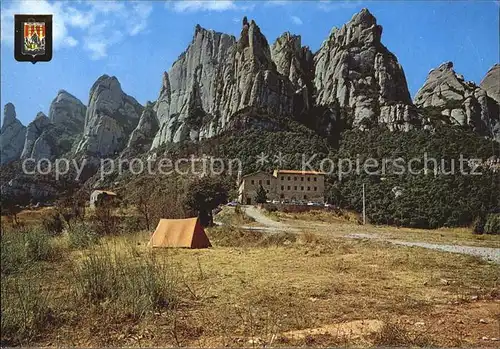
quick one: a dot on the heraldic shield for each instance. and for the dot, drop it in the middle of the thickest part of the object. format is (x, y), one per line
(33, 38)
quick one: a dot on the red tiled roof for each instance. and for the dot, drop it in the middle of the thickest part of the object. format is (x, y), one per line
(300, 172)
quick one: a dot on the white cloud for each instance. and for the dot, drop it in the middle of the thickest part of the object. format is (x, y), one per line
(201, 5)
(278, 2)
(60, 30)
(330, 5)
(296, 20)
(141, 12)
(101, 24)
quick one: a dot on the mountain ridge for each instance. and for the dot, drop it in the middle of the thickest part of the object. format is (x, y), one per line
(352, 81)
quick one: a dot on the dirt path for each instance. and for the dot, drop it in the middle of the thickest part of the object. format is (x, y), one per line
(488, 253)
(270, 225)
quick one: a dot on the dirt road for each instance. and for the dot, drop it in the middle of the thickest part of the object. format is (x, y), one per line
(269, 225)
(267, 222)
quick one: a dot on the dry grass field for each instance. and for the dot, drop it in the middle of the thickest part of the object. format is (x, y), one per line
(250, 290)
(325, 223)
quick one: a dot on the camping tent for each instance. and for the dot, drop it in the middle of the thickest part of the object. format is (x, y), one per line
(179, 233)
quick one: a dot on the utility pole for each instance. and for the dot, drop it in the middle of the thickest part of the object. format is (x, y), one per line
(364, 205)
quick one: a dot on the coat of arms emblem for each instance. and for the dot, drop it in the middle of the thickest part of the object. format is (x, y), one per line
(33, 38)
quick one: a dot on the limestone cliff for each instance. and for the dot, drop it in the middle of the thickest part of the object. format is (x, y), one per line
(446, 97)
(12, 135)
(355, 71)
(110, 118)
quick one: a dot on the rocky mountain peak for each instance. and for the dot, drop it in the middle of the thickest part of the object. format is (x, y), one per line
(360, 77)
(9, 114)
(296, 63)
(491, 83)
(447, 97)
(67, 110)
(253, 45)
(12, 135)
(110, 118)
(361, 30)
(363, 17)
(34, 131)
(40, 118)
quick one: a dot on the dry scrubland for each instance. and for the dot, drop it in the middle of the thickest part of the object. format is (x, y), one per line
(249, 290)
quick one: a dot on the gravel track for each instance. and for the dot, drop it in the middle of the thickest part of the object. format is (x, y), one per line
(270, 225)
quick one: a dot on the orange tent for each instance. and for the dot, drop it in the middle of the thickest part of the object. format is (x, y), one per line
(186, 233)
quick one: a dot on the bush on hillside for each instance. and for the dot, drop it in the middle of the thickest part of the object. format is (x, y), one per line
(423, 200)
(492, 225)
(81, 235)
(53, 224)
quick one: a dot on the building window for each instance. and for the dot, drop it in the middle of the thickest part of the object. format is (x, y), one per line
(315, 179)
(308, 179)
(288, 187)
(308, 188)
(268, 182)
(288, 177)
(282, 196)
(315, 188)
(282, 178)
(295, 188)
(301, 188)
(301, 179)
(305, 197)
(252, 181)
(282, 187)
(294, 178)
(260, 182)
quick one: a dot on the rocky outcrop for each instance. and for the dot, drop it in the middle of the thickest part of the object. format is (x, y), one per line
(67, 112)
(143, 135)
(447, 98)
(356, 72)
(33, 133)
(55, 135)
(111, 117)
(216, 77)
(491, 83)
(12, 135)
(297, 63)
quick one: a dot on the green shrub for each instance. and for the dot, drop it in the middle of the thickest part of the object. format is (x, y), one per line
(478, 225)
(53, 224)
(95, 277)
(134, 286)
(13, 255)
(131, 224)
(492, 225)
(82, 236)
(25, 311)
(39, 246)
(20, 248)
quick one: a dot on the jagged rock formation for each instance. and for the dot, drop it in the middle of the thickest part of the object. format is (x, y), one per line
(355, 72)
(447, 97)
(33, 137)
(12, 135)
(67, 112)
(215, 78)
(141, 138)
(491, 83)
(110, 118)
(297, 63)
(52, 136)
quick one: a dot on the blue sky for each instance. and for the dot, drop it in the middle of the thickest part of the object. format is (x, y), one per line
(137, 41)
